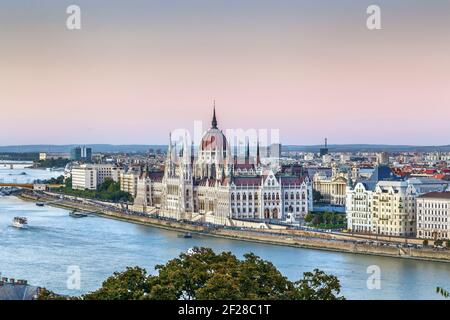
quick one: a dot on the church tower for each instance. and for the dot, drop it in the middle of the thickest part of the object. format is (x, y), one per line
(213, 153)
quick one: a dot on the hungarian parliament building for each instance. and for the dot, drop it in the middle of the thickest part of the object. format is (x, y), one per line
(217, 187)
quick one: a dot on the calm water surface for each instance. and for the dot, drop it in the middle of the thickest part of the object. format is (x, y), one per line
(101, 246)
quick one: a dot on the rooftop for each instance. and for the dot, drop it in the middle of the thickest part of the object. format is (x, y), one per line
(436, 195)
(11, 289)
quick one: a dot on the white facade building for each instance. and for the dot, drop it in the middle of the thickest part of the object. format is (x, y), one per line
(129, 181)
(387, 206)
(89, 176)
(359, 209)
(216, 187)
(433, 215)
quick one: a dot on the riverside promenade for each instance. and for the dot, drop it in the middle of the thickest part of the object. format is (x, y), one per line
(360, 244)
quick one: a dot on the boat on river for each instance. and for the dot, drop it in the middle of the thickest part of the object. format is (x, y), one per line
(186, 235)
(20, 222)
(76, 214)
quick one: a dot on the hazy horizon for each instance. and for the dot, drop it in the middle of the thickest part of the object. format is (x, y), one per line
(139, 69)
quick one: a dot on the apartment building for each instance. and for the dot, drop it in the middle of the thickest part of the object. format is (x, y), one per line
(386, 205)
(89, 176)
(433, 215)
(129, 181)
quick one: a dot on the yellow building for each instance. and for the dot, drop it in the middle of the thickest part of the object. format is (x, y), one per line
(333, 189)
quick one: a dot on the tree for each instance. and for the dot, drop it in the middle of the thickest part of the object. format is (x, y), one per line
(205, 275)
(132, 284)
(318, 286)
(317, 196)
(309, 217)
(425, 242)
(443, 292)
(68, 183)
(45, 294)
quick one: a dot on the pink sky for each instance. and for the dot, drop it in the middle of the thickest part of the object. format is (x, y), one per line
(311, 75)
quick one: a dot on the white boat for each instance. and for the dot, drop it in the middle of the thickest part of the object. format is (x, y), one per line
(20, 222)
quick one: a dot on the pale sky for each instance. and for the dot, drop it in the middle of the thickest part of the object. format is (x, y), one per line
(139, 69)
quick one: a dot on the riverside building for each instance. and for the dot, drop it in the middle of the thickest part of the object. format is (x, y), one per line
(90, 176)
(386, 204)
(433, 215)
(213, 185)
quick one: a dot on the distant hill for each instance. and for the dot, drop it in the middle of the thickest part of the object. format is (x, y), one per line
(368, 148)
(109, 148)
(106, 148)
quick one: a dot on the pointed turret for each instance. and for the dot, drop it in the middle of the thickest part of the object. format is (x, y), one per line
(170, 166)
(214, 120)
(258, 159)
(247, 153)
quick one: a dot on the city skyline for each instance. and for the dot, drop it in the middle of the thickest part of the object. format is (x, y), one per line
(138, 70)
(261, 153)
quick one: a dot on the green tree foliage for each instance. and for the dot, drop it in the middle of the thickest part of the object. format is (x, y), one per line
(309, 217)
(19, 156)
(45, 294)
(425, 242)
(109, 190)
(317, 196)
(68, 183)
(443, 292)
(326, 220)
(132, 284)
(52, 163)
(58, 180)
(205, 275)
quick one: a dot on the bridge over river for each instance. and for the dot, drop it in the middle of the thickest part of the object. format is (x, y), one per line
(11, 164)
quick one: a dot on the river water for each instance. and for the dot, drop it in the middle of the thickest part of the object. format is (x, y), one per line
(98, 246)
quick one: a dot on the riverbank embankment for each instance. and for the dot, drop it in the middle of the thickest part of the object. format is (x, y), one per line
(294, 238)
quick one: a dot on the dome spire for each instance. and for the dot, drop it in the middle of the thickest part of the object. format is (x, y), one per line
(214, 120)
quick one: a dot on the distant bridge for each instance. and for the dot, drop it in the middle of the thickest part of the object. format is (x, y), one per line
(11, 164)
(28, 185)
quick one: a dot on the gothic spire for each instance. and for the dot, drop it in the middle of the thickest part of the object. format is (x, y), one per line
(258, 159)
(169, 149)
(214, 120)
(247, 152)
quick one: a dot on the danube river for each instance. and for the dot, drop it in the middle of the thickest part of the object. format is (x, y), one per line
(99, 246)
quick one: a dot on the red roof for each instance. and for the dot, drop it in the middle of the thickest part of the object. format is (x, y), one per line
(247, 181)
